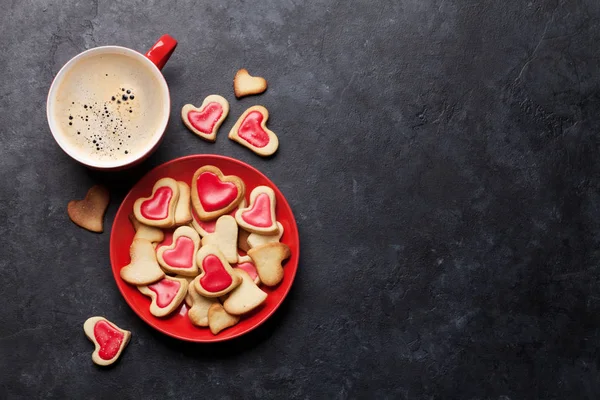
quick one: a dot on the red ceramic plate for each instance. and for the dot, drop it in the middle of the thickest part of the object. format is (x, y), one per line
(177, 324)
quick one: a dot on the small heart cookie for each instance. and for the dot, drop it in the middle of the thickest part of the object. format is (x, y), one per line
(259, 216)
(224, 237)
(245, 84)
(158, 209)
(216, 277)
(219, 319)
(206, 120)
(150, 233)
(166, 294)
(244, 298)
(109, 339)
(143, 268)
(255, 240)
(183, 214)
(267, 259)
(215, 194)
(89, 212)
(245, 263)
(251, 131)
(199, 305)
(180, 256)
(243, 238)
(207, 227)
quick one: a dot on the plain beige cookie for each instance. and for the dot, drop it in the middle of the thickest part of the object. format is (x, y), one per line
(246, 297)
(89, 212)
(267, 259)
(143, 268)
(255, 240)
(224, 238)
(183, 213)
(245, 84)
(199, 305)
(149, 233)
(219, 319)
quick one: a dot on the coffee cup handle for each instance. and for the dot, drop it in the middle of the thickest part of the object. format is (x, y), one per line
(161, 51)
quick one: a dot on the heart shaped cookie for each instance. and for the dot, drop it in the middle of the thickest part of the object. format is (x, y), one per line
(206, 120)
(89, 212)
(268, 260)
(216, 277)
(244, 298)
(158, 209)
(245, 263)
(143, 268)
(245, 84)
(251, 131)
(224, 237)
(150, 233)
(183, 214)
(109, 339)
(215, 194)
(199, 305)
(180, 256)
(255, 240)
(219, 319)
(259, 216)
(207, 227)
(166, 294)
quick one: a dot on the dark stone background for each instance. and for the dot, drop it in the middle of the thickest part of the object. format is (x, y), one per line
(441, 158)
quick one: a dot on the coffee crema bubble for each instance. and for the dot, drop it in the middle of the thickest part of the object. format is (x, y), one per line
(106, 108)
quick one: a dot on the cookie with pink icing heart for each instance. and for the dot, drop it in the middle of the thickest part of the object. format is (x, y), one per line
(109, 340)
(207, 227)
(158, 209)
(166, 294)
(259, 216)
(246, 264)
(216, 275)
(180, 256)
(206, 120)
(224, 237)
(215, 194)
(251, 131)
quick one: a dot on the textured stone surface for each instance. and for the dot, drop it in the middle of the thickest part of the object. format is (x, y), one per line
(441, 157)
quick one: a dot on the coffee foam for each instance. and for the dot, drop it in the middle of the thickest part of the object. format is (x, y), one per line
(108, 107)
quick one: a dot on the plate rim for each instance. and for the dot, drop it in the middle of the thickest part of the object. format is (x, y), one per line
(115, 269)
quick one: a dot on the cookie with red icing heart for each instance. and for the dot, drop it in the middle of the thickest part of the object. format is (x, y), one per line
(109, 339)
(206, 120)
(259, 216)
(166, 294)
(158, 209)
(216, 277)
(180, 256)
(207, 227)
(246, 264)
(251, 131)
(215, 194)
(224, 237)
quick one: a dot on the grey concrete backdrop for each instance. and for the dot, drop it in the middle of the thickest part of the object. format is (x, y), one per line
(441, 158)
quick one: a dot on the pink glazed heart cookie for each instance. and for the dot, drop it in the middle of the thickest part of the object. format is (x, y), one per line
(251, 131)
(180, 256)
(109, 339)
(215, 194)
(216, 277)
(158, 209)
(166, 294)
(259, 216)
(206, 120)
(246, 264)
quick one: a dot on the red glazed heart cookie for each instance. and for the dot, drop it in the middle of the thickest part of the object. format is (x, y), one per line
(166, 294)
(109, 339)
(206, 120)
(215, 194)
(246, 264)
(259, 216)
(159, 209)
(251, 131)
(245, 84)
(180, 256)
(216, 277)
